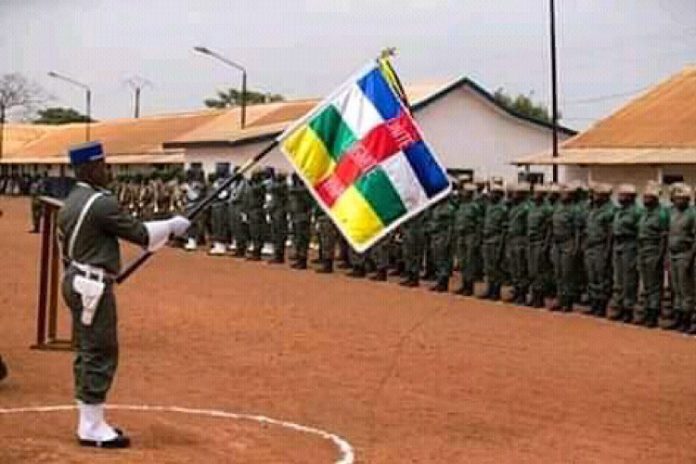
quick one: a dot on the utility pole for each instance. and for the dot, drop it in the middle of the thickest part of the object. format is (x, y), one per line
(554, 88)
(88, 98)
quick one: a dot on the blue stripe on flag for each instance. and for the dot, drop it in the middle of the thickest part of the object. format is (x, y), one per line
(376, 88)
(429, 173)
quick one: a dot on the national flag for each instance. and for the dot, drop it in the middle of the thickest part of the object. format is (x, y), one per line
(363, 157)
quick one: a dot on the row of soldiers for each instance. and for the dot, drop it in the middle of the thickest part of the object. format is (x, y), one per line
(563, 244)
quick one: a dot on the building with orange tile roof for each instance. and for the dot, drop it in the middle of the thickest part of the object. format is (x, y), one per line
(652, 137)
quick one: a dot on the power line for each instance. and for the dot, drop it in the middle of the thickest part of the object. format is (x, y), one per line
(601, 98)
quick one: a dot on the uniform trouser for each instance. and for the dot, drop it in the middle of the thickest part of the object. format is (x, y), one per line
(563, 257)
(380, 254)
(413, 249)
(651, 270)
(538, 268)
(96, 358)
(468, 256)
(598, 272)
(219, 222)
(35, 213)
(197, 229)
(441, 251)
(517, 261)
(301, 238)
(257, 222)
(682, 269)
(279, 232)
(492, 260)
(328, 237)
(625, 292)
(239, 228)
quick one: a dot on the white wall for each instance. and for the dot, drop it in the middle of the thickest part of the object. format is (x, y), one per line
(469, 132)
(465, 130)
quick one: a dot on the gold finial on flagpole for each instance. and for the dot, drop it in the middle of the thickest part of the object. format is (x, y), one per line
(387, 52)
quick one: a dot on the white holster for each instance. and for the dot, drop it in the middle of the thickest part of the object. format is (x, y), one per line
(90, 287)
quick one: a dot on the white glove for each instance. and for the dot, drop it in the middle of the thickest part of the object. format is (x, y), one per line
(179, 225)
(159, 231)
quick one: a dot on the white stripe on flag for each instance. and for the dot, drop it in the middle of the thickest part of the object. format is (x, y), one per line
(357, 111)
(405, 182)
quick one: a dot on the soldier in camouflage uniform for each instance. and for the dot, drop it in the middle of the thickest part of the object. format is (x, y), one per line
(380, 253)
(538, 229)
(358, 263)
(517, 244)
(440, 228)
(653, 229)
(413, 249)
(682, 240)
(565, 241)
(278, 211)
(90, 224)
(625, 256)
(494, 229)
(301, 216)
(194, 192)
(254, 199)
(468, 221)
(598, 249)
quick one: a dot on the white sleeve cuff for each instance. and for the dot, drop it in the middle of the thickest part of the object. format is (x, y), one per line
(158, 234)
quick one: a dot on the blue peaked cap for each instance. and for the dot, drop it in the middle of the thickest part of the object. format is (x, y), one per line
(85, 153)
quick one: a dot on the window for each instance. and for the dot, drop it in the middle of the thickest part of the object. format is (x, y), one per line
(669, 179)
(531, 177)
(222, 168)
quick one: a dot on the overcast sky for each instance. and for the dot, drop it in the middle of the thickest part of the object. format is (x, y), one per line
(303, 48)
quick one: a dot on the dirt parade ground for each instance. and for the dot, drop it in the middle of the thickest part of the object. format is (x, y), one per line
(341, 371)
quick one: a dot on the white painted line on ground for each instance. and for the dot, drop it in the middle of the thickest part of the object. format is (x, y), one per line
(347, 455)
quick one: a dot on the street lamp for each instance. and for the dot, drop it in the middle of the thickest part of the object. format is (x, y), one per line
(88, 98)
(208, 52)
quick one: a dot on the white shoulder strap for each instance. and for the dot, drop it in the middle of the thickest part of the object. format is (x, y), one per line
(80, 220)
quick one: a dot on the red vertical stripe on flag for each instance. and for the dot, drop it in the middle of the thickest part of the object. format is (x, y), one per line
(380, 143)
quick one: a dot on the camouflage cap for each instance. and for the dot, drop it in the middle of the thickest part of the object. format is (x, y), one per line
(681, 190)
(652, 189)
(626, 189)
(602, 188)
(469, 187)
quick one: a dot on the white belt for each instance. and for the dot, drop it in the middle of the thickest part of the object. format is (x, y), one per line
(95, 272)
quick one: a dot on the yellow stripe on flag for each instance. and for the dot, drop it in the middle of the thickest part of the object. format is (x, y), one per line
(358, 219)
(309, 154)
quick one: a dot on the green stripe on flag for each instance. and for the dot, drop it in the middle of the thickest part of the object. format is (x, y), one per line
(379, 192)
(333, 131)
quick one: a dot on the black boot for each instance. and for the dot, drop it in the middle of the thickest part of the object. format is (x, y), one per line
(674, 322)
(441, 286)
(520, 297)
(651, 318)
(326, 267)
(411, 281)
(567, 304)
(3, 369)
(685, 323)
(301, 263)
(616, 314)
(380, 276)
(357, 272)
(627, 316)
(692, 329)
(601, 309)
(640, 317)
(495, 292)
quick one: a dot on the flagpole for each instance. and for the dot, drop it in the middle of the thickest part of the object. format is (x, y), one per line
(200, 207)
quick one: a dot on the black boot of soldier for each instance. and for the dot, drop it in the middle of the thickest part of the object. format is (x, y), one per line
(380, 276)
(692, 329)
(326, 267)
(441, 285)
(301, 264)
(685, 323)
(410, 281)
(3, 369)
(357, 272)
(495, 292)
(567, 305)
(628, 316)
(520, 297)
(651, 318)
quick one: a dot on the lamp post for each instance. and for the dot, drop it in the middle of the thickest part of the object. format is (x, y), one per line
(88, 98)
(208, 52)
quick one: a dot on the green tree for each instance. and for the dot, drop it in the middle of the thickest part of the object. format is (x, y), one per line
(233, 97)
(57, 116)
(523, 105)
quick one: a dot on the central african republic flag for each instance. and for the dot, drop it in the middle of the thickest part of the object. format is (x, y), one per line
(364, 159)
